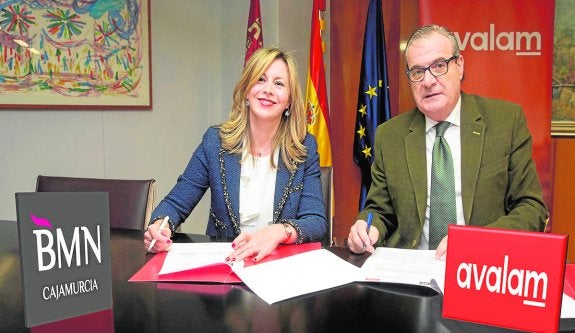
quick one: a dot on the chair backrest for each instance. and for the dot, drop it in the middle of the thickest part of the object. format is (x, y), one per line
(327, 189)
(131, 201)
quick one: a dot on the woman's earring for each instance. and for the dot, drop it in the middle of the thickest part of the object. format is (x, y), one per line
(247, 103)
(286, 112)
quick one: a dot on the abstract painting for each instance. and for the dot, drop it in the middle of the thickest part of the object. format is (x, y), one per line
(75, 54)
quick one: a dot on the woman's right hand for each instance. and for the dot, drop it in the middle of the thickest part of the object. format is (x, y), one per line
(162, 237)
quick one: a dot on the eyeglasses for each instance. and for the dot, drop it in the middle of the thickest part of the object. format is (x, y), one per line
(438, 68)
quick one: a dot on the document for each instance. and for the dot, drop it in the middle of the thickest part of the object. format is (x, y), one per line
(320, 269)
(567, 307)
(205, 262)
(297, 275)
(186, 256)
(418, 267)
(568, 303)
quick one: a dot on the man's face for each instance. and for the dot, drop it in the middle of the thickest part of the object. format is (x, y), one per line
(435, 96)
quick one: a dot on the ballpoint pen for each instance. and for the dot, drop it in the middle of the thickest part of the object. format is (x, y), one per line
(162, 225)
(369, 218)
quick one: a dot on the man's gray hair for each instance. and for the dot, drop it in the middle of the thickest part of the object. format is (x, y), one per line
(428, 30)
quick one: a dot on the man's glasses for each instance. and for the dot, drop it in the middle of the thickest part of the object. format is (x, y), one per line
(438, 68)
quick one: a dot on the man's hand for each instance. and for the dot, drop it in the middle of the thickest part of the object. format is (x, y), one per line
(359, 241)
(441, 251)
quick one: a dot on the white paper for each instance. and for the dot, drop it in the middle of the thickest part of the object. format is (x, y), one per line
(418, 267)
(296, 275)
(184, 256)
(567, 307)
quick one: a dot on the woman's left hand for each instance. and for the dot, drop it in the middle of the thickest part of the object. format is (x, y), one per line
(257, 245)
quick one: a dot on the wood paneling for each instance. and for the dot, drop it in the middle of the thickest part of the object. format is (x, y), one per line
(347, 23)
(564, 192)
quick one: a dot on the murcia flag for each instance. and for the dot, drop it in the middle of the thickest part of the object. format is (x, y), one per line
(254, 36)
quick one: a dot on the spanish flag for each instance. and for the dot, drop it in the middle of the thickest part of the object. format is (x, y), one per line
(316, 94)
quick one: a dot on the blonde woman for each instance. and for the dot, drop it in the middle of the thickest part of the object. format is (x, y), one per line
(261, 166)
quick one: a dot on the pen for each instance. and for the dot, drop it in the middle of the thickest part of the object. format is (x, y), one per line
(162, 225)
(369, 218)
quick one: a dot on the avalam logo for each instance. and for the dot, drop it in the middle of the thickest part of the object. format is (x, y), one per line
(523, 43)
(503, 280)
(501, 277)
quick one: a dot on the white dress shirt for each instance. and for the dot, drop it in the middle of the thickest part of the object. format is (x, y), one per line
(452, 135)
(257, 190)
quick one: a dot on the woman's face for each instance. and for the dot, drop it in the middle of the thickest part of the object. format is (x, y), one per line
(270, 95)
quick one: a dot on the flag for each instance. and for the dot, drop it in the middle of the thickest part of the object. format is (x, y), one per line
(316, 95)
(373, 96)
(254, 36)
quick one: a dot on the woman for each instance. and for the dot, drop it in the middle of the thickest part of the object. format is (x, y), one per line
(261, 166)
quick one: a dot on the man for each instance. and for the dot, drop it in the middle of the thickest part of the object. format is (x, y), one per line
(494, 182)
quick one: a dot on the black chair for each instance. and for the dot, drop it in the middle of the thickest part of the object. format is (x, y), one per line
(327, 189)
(131, 201)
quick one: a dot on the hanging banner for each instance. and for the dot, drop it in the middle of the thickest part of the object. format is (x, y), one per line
(507, 47)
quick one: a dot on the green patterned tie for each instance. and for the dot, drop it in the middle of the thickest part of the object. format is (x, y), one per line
(442, 198)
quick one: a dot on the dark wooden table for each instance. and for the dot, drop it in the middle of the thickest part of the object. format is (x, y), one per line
(195, 307)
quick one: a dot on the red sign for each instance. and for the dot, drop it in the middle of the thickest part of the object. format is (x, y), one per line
(506, 278)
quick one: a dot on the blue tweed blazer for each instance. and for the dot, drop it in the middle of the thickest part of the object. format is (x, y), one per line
(298, 196)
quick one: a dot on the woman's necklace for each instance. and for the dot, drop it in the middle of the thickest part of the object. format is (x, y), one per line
(263, 151)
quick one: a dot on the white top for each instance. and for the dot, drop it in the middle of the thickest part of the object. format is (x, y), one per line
(453, 137)
(257, 189)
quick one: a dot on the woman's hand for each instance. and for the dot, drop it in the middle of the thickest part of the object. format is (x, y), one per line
(258, 245)
(162, 237)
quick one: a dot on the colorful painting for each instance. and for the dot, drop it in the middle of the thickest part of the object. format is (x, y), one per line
(75, 54)
(563, 115)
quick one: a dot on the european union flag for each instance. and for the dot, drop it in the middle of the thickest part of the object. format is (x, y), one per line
(373, 97)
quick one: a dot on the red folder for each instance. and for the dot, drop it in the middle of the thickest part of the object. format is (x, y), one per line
(218, 272)
(202, 288)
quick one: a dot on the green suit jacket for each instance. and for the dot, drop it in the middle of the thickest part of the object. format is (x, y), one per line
(500, 185)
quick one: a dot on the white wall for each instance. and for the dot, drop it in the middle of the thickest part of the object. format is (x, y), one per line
(198, 49)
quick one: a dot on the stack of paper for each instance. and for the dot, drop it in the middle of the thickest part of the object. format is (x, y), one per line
(418, 267)
(568, 302)
(297, 275)
(188, 256)
(204, 262)
(290, 270)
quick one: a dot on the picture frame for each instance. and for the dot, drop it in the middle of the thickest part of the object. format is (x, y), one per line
(563, 93)
(75, 55)
(562, 128)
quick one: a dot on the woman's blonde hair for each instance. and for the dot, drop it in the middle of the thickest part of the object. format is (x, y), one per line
(235, 132)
